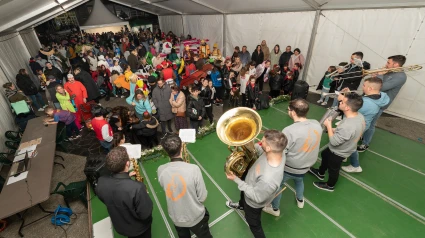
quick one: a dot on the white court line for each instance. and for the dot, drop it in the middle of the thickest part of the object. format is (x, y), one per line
(324, 214)
(407, 167)
(376, 153)
(157, 203)
(215, 183)
(217, 220)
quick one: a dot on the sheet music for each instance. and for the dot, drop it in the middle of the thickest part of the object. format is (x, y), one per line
(19, 177)
(133, 151)
(19, 157)
(103, 229)
(188, 135)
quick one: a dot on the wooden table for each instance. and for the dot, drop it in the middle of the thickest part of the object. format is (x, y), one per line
(35, 189)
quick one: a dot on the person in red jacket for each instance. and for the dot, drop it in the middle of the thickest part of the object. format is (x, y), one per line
(102, 128)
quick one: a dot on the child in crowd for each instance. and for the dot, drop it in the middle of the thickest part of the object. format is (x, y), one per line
(206, 95)
(326, 86)
(251, 68)
(67, 117)
(296, 71)
(195, 108)
(285, 69)
(213, 92)
(275, 82)
(234, 90)
(41, 78)
(116, 67)
(252, 93)
(243, 78)
(288, 84)
(146, 130)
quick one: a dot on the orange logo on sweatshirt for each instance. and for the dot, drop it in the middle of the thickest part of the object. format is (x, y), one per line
(172, 186)
(257, 169)
(308, 145)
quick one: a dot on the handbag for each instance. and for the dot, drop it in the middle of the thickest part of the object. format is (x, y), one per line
(180, 114)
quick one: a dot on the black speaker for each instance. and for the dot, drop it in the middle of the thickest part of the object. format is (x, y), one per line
(300, 90)
(95, 168)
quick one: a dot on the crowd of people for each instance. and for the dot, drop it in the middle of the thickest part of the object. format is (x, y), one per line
(94, 66)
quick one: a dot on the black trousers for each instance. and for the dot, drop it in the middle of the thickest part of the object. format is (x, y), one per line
(253, 217)
(195, 124)
(332, 163)
(219, 93)
(201, 229)
(164, 124)
(146, 234)
(149, 141)
(260, 82)
(209, 111)
(72, 128)
(274, 93)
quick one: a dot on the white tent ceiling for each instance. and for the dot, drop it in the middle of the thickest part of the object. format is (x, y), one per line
(200, 7)
(101, 17)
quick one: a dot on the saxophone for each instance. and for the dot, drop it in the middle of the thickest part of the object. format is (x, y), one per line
(136, 169)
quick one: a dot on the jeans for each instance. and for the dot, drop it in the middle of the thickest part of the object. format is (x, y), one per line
(195, 124)
(324, 90)
(368, 134)
(299, 188)
(57, 105)
(253, 218)
(106, 145)
(72, 128)
(34, 99)
(201, 229)
(332, 163)
(354, 159)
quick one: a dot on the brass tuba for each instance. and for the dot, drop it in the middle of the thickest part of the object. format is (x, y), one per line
(238, 127)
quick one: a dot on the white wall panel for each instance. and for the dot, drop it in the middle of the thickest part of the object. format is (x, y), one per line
(205, 27)
(378, 34)
(289, 28)
(171, 23)
(29, 36)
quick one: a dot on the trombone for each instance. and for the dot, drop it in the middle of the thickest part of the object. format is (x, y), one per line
(379, 71)
(334, 95)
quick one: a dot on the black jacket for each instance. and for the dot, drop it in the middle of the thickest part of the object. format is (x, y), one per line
(128, 203)
(88, 82)
(195, 108)
(205, 94)
(276, 82)
(35, 66)
(52, 91)
(258, 58)
(55, 72)
(141, 128)
(252, 93)
(350, 79)
(25, 84)
(133, 62)
(284, 58)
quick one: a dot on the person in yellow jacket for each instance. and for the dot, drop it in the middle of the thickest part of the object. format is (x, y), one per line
(64, 99)
(204, 50)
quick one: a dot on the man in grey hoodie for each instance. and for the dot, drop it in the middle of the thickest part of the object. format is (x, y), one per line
(392, 84)
(185, 191)
(301, 152)
(262, 181)
(373, 101)
(342, 140)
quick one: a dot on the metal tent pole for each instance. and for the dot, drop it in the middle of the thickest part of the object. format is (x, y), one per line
(311, 44)
(224, 35)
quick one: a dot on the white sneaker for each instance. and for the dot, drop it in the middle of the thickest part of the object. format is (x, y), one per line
(324, 103)
(344, 160)
(337, 123)
(40, 110)
(45, 106)
(339, 118)
(299, 204)
(269, 209)
(351, 169)
(320, 101)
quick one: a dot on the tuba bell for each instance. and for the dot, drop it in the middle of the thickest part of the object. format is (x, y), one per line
(239, 127)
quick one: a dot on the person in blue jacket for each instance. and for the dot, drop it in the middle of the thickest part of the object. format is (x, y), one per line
(141, 104)
(216, 77)
(373, 101)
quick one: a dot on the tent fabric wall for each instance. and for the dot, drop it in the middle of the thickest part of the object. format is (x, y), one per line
(7, 120)
(171, 23)
(205, 27)
(29, 36)
(378, 34)
(14, 56)
(289, 28)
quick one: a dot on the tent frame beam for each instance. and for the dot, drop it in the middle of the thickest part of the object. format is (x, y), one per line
(130, 6)
(208, 6)
(311, 44)
(161, 6)
(313, 4)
